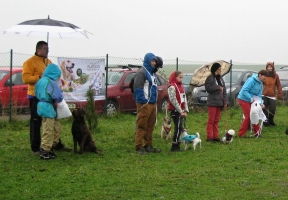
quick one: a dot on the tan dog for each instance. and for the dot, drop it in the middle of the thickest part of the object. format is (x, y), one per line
(166, 128)
(67, 70)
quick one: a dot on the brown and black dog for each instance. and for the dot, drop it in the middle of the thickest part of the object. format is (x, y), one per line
(81, 133)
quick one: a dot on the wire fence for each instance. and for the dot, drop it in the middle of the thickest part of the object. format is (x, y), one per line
(13, 107)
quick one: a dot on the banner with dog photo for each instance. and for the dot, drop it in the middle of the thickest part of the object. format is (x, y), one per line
(78, 75)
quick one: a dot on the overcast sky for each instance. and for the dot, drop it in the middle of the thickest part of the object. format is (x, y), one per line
(246, 31)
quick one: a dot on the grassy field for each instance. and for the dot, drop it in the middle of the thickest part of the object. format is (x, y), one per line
(245, 169)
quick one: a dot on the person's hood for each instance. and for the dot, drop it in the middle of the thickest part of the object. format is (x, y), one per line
(52, 71)
(271, 64)
(147, 60)
(172, 78)
(270, 73)
(255, 76)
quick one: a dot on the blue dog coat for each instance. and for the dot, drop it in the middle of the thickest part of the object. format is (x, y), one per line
(189, 138)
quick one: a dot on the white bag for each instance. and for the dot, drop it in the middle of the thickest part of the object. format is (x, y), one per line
(63, 110)
(255, 112)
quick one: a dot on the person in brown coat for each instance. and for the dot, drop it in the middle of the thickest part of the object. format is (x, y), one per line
(271, 83)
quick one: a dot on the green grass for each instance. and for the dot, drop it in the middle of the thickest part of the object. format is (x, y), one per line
(245, 169)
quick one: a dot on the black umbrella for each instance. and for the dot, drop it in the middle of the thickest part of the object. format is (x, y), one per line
(47, 27)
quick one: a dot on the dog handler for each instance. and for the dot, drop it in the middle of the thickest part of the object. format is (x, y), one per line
(33, 69)
(48, 93)
(177, 106)
(145, 93)
(270, 84)
(216, 101)
(252, 87)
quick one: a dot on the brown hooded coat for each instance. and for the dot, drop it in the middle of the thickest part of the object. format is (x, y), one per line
(272, 81)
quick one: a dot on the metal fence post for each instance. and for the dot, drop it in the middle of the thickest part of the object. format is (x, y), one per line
(177, 64)
(10, 86)
(230, 96)
(106, 84)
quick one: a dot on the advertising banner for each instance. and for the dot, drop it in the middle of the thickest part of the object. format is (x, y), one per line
(78, 75)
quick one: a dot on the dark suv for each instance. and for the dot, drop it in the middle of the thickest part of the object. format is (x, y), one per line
(119, 95)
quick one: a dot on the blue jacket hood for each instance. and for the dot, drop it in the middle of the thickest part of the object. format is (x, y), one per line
(147, 60)
(255, 77)
(52, 71)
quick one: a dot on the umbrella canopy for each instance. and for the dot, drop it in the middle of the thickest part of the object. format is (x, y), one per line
(47, 27)
(200, 74)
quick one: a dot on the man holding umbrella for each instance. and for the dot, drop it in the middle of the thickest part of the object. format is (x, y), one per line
(32, 72)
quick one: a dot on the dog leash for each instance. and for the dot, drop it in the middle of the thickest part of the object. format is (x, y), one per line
(273, 115)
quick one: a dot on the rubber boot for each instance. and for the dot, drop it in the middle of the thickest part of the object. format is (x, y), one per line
(175, 147)
(271, 120)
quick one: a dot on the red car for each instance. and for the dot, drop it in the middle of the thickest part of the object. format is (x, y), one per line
(19, 89)
(120, 97)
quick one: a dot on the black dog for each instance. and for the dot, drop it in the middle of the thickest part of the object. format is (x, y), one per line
(81, 133)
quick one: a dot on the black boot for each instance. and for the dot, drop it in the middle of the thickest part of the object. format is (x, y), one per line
(175, 147)
(266, 124)
(271, 120)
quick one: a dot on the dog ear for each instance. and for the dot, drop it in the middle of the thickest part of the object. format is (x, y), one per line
(74, 113)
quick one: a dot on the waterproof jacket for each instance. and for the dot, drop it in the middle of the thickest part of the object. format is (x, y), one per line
(48, 92)
(252, 87)
(215, 98)
(272, 82)
(32, 71)
(145, 84)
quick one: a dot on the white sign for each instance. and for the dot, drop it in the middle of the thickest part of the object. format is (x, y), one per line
(78, 75)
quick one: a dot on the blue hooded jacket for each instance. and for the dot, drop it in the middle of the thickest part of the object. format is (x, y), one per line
(252, 87)
(48, 92)
(145, 84)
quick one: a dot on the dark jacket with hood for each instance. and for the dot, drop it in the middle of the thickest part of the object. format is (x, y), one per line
(272, 82)
(215, 98)
(145, 85)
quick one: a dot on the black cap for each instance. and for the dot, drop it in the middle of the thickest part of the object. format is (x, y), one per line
(159, 62)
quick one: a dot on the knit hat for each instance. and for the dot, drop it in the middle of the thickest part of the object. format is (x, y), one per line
(215, 67)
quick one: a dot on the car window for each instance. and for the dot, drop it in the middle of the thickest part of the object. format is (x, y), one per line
(246, 76)
(187, 79)
(160, 80)
(17, 79)
(3, 74)
(282, 75)
(114, 77)
(235, 77)
(129, 77)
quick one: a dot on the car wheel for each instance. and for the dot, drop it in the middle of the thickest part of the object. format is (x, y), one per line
(111, 107)
(164, 105)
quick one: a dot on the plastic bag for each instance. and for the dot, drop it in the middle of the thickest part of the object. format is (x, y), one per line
(63, 110)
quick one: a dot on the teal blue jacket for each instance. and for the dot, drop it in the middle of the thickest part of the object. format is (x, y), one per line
(48, 92)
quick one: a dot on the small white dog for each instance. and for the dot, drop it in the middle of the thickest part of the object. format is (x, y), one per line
(190, 139)
(166, 128)
(228, 137)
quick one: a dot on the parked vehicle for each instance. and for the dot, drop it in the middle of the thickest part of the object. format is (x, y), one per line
(233, 86)
(283, 76)
(19, 89)
(186, 81)
(119, 95)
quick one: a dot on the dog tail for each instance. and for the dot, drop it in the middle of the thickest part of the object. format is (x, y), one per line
(198, 135)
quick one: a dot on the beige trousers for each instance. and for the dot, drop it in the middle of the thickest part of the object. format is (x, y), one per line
(146, 119)
(51, 133)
